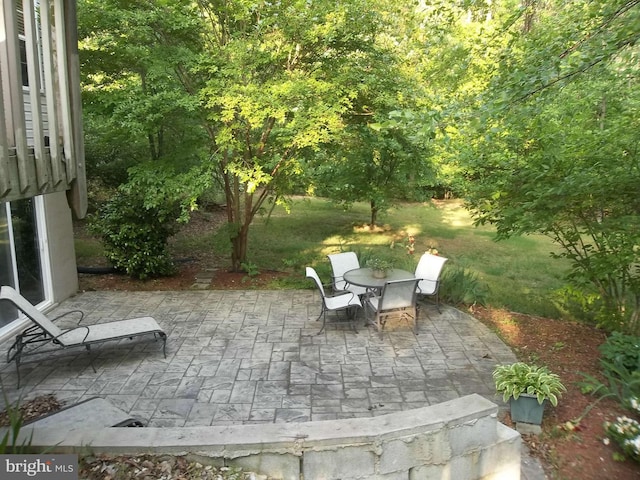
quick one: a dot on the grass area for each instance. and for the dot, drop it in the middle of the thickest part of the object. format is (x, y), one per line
(519, 273)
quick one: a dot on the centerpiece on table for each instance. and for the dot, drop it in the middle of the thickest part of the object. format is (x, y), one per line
(379, 267)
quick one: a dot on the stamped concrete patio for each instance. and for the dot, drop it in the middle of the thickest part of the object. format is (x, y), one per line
(255, 357)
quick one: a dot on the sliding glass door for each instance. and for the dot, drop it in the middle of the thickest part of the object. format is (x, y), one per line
(21, 253)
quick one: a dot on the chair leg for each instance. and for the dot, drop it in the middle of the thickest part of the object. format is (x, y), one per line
(323, 314)
(415, 320)
(88, 347)
(16, 356)
(354, 319)
(163, 336)
(380, 324)
(17, 359)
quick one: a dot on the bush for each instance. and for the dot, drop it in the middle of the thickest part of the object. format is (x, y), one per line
(459, 286)
(134, 237)
(623, 350)
(135, 225)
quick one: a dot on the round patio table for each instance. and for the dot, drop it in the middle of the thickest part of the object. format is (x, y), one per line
(363, 277)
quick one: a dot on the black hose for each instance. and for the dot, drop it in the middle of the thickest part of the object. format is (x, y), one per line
(107, 270)
(96, 270)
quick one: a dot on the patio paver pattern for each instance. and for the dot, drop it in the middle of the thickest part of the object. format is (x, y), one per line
(254, 356)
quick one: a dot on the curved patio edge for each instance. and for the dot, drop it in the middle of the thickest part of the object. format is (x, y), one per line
(460, 438)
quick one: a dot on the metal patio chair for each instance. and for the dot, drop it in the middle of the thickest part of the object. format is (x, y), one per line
(428, 271)
(345, 301)
(398, 299)
(340, 264)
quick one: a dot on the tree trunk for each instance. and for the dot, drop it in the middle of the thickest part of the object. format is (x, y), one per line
(374, 213)
(239, 245)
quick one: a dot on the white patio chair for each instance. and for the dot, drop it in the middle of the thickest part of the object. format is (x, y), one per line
(340, 264)
(428, 271)
(346, 300)
(45, 337)
(398, 299)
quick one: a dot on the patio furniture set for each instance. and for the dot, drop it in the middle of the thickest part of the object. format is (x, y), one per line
(353, 289)
(356, 288)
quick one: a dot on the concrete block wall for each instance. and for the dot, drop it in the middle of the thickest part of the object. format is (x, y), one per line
(459, 439)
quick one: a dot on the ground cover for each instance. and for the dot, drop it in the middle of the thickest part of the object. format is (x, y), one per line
(573, 443)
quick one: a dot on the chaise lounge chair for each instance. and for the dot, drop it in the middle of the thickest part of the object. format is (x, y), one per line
(45, 336)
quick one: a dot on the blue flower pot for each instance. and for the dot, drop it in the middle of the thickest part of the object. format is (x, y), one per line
(526, 409)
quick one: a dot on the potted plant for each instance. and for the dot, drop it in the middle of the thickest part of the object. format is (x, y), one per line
(528, 388)
(379, 267)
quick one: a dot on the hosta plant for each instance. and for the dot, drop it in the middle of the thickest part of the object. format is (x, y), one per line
(519, 378)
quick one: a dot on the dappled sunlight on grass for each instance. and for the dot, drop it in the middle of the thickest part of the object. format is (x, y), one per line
(518, 272)
(454, 214)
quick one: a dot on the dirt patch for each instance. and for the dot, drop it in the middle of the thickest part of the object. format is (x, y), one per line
(572, 445)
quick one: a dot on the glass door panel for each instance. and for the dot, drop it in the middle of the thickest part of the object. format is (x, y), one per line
(7, 265)
(26, 241)
(20, 259)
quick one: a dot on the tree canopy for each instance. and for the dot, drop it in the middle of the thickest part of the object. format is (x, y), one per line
(556, 150)
(528, 110)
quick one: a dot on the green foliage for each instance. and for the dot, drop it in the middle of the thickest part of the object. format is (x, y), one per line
(134, 106)
(623, 350)
(9, 441)
(554, 150)
(135, 238)
(136, 223)
(377, 263)
(619, 382)
(250, 268)
(460, 286)
(620, 363)
(517, 378)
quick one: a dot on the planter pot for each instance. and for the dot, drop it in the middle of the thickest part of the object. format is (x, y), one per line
(526, 409)
(379, 273)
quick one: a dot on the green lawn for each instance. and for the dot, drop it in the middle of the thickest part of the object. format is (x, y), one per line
(519, 273)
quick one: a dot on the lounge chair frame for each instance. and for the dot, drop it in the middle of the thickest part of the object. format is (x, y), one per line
(46, 337)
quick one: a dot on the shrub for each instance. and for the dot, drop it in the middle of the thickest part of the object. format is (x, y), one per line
(621, 349)
(134, 237)
(135, 225)
(459, 286)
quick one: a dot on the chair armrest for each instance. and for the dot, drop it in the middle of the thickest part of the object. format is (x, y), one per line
(342, 293)
(69, 313)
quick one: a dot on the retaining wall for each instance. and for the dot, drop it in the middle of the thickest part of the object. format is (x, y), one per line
(459, 439)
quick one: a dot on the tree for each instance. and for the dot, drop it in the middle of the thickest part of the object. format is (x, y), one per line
(268, 83)
(135, 108)
(557, 147)
(382, 153)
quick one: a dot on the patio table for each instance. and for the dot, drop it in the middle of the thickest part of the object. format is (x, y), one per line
(363, 277)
